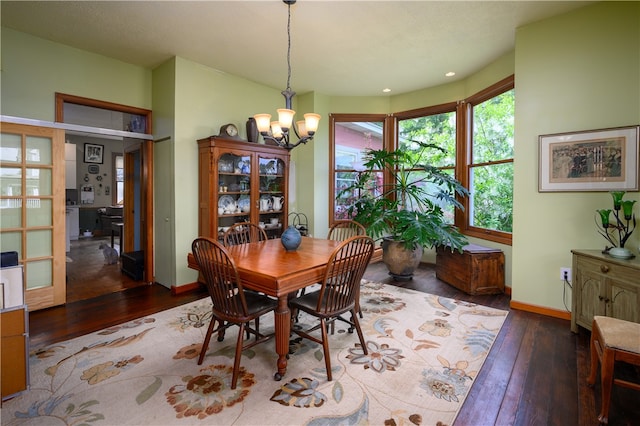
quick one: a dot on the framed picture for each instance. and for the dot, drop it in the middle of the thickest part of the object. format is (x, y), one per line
(93, 153)
(593, 160)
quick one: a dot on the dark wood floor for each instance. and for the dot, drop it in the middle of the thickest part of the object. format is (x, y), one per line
(535, 374)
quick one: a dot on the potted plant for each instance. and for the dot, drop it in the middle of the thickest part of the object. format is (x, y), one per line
(618, 231)
(408, 212)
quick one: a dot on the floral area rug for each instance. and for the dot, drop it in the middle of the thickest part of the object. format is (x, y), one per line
(424, 353)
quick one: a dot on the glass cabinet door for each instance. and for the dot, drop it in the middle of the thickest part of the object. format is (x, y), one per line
(234, 190)
(272, 202)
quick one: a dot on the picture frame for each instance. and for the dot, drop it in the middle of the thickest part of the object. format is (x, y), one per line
(93, 153)
(591, 160)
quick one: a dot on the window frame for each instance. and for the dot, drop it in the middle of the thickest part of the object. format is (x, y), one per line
(465, 163)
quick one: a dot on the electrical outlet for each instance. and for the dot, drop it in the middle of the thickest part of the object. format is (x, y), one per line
(565, 274)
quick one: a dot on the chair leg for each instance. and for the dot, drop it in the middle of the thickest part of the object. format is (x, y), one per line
(207, 338)
(325, 347)
(606, 373)
(236, 361)
(595, 356)
(356, 323)
(257, 329)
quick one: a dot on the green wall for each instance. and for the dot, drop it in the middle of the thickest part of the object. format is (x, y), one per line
(573, 72)
(578, 71)
(33, 70)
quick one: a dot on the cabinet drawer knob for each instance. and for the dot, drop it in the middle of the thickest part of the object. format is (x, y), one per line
(604, 268)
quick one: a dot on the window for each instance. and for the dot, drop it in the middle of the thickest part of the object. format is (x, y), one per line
(476, 137)
(118, 179)
(489, 170)
(351, 136)
(435, 126)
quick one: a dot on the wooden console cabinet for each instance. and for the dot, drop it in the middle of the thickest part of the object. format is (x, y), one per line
(254, 177)
(603, 285)
(477, 270)
(14, 333)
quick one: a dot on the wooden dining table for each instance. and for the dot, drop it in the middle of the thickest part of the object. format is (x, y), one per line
(268, 268)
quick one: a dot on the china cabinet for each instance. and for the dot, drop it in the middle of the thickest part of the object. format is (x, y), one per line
(241, 182)
(603, 285)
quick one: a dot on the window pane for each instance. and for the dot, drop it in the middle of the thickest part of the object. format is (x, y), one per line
(39, 212)
(352, 140)
(10, 181)
(38, 150)
(493, 128)
(10, 214)
(11, 241)
(438, 129)
(10, 148)
(39, 243)
(492, 197)
(344, 200)
(39, 274)
(38, 182)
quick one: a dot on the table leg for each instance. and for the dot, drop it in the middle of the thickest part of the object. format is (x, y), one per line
(283, 329)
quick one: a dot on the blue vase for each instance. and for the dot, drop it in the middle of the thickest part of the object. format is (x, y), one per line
(291, 238)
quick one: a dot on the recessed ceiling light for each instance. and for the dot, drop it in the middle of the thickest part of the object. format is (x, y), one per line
(450, 74)
(387, 90)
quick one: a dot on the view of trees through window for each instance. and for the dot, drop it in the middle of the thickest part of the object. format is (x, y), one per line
(491, 169)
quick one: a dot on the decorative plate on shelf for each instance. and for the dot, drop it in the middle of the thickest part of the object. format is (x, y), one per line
(225, 200)
(244, 202)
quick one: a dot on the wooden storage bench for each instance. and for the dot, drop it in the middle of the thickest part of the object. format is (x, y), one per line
(478, 270)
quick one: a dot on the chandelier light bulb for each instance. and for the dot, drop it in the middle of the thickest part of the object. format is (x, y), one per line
(302, 129)
(276, 130)
(285, 118)
(263, 122)
(311, 121)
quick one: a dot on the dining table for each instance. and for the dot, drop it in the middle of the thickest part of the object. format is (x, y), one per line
(267, 267)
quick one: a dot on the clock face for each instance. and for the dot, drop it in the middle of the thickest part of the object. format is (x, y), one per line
(229, 130)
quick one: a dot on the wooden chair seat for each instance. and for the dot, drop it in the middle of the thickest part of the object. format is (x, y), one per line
(612, 340)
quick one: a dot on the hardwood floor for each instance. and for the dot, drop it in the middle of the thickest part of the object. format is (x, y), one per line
(535, 374)
(87, 274)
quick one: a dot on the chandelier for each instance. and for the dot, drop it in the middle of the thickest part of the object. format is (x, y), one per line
(282, 130)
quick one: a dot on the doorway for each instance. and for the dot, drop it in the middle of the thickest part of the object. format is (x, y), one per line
(117, 217)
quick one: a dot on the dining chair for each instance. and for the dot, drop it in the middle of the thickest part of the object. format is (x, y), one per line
(337, 294)
(344, 229)
(231, 305)
(242, 233)
(340, 231)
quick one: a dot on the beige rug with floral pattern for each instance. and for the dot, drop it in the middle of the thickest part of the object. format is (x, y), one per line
(424, 353)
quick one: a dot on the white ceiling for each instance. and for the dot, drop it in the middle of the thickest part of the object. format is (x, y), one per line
(351, 48)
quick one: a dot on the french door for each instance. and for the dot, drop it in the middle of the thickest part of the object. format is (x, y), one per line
(32, 209)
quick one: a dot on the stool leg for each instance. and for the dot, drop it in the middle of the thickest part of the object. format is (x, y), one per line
(606, 373)
(595, 356)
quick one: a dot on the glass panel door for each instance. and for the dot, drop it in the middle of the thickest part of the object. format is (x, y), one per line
(32, 210)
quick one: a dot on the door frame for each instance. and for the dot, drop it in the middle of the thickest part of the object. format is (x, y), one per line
(146, 172)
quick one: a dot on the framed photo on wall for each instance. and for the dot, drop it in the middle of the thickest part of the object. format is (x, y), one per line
(593, 160)
(93, 153)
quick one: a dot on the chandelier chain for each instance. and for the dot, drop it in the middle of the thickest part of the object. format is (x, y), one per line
(289, 48)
